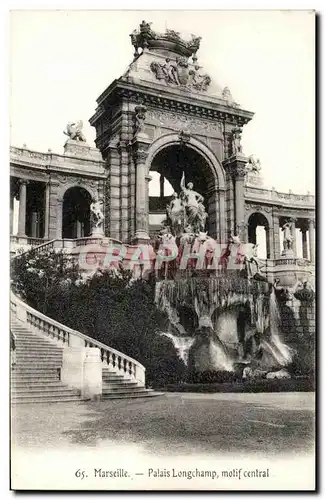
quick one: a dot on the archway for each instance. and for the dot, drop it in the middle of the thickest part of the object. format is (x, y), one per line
(258, 234)
(170, 161)
(76, 213)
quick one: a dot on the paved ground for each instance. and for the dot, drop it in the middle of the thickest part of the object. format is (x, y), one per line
(174, 424)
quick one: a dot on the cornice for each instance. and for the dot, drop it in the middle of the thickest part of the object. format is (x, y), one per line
(193, 105)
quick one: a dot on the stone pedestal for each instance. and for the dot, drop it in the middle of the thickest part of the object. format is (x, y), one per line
(80, 149)
(82, 370)
(288, 254)
(97, 232)
(92, 374)
(72, 367)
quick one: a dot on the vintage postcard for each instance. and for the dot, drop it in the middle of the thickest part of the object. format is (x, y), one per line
(162, 246)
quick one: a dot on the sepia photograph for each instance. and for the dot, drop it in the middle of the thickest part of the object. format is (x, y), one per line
(162, 250)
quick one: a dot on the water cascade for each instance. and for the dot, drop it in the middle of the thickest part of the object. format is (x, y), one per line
(207, 294)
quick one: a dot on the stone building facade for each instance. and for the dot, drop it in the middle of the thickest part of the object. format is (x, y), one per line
(165, 115)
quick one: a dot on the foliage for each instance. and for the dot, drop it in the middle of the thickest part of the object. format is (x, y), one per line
(112, 308)
(302, 384)
(36, 276)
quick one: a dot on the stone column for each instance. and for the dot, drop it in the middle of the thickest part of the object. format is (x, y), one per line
(47, 211)
(140, 146)
(312, 240)
(222, 217)
(304, 230)
(141, 232)
(293, 231)
(276, 237)
(161, 185)
(22, 207)
(59, 208)
(238, 171)
(268, 243)
(11, 212)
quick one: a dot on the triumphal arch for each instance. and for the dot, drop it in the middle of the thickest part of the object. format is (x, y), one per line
(164, 116)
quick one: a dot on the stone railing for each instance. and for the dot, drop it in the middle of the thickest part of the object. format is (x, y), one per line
(118, 362)
(25, 240)
(271, 195)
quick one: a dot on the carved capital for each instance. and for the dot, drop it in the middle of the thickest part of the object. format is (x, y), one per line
(311, 222)
(140, 155)
(239, 170)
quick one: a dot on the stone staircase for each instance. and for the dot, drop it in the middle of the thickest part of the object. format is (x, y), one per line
(36, 375)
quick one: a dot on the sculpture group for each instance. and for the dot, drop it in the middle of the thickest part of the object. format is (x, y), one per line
(186, 212)
(74, 131)
(178, 72)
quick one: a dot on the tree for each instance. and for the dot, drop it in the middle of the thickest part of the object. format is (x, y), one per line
(112, 308)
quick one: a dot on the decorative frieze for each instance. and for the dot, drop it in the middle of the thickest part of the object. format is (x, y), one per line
(258, 208)
(174, 120)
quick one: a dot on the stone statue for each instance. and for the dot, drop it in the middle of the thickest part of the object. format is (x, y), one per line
(287, 236)
(182, 70)
(96, 211)
(236, 138)
(74, 131)
(145, 29)
(173, 35)
(194, 43)
(140, 116)
(188, 237)
(178, 73)
(253, 164)
(176, 215)
(193, 201)
(199, 81)
(202, 215)
(226, 94)
(170, 71)
(250, 260)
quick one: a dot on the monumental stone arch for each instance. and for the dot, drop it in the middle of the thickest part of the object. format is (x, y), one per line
(165, 114)
(171, 158)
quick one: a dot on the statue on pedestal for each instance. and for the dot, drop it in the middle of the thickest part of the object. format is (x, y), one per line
(176, 214)
(195, 212)
(253, 165)
(96, 212)
(236, 138)
(287, 236)
(140, 116)
(74, 131)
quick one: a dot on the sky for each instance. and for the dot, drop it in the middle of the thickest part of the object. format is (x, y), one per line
(61, 61)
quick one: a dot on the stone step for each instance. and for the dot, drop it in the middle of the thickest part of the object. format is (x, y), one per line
(36, 345)
(43, 350)
(25, 372)
(128, 396)
(37, 342)
(45, 399)
(21, 357)
(22, 384)
(32, 382)
(42, 391)
(112, 376)
(124, 383)
(125, 390)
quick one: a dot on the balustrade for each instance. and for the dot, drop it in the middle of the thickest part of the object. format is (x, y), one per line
(51, 329)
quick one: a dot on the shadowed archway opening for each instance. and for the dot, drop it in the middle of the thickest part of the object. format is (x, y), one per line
(258, 234)
(170, 163)
(76, 213)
